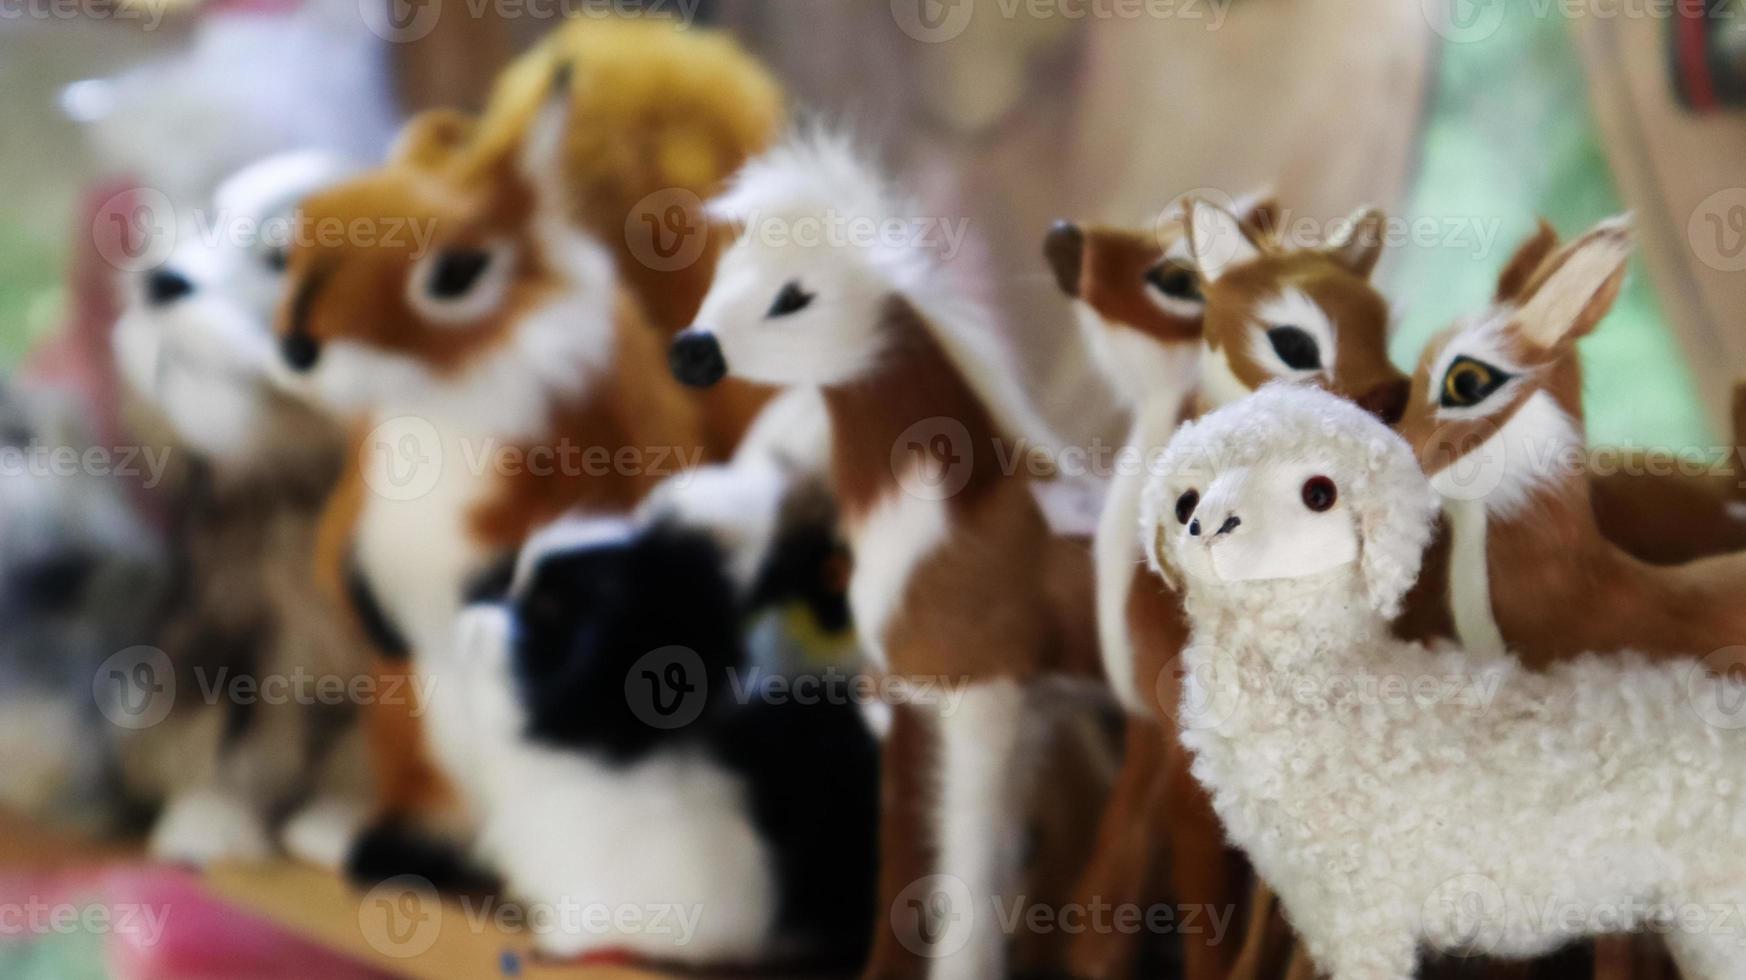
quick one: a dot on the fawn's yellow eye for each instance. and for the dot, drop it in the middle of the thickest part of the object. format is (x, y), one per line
(1469, 382)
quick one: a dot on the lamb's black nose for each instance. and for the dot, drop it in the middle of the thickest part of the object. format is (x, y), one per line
(165, 286)
(301, 351)
(696, 358)
(1231, 524)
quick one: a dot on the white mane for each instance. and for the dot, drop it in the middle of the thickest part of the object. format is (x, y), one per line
(818, 174)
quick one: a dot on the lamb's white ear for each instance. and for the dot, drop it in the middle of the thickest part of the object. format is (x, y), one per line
(1583, 281)
(1396, 516)
(1217, 240)
(1357, 243)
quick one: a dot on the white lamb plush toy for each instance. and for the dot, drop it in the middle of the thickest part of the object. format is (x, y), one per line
(1398, 796)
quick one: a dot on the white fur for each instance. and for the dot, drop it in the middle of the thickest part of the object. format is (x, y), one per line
(1293, 308)
(203, 825)
(1470, 578)
(1510, 468)
(206, 361)
(899, 533)
(669, 836)
(1117, 553)
(815, 180)
(1446, 817)
(1219, 385)
(981, 806)
(1141, 368)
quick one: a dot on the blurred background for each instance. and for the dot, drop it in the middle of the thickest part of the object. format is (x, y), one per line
(1464, 119)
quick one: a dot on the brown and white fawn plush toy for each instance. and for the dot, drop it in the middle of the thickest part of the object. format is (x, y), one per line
(1155, 322)
(1399, 796)
(958, 585)
(1496, 417)
(482, 332)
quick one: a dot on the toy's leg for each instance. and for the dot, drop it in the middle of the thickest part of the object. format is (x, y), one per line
(322, 830)
(208, 824)
(1204, 874)
(1129, 853)
(980, 818)
(905, 843)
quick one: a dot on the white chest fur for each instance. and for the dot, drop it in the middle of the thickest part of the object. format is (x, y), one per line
(1118, 549)
(899, 532)
(422, 482)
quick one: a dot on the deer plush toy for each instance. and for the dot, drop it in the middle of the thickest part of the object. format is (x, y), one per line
(1160, 324)
(490, 331)
(957, 580)
(241, 745)
(1396, 795)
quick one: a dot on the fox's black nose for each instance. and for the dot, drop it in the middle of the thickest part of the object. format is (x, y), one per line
(696, 358)
(165, 286)
(301, 351)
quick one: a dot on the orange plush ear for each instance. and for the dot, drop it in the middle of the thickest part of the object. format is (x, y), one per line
(1259, 212)
(1218, 239)
(431, 137)
(1577, 287)
(1512, 282)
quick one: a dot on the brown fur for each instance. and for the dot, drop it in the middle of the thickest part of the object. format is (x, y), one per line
(1559, 586)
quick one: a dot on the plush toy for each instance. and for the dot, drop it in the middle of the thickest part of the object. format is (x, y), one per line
(956, 576)
(1171, 344)
(497, 326)
(81, 577)
(1397, 795)
(1496, 416)
(250, 642)
(637, 761)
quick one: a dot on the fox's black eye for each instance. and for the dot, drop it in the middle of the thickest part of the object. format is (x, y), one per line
(1175, 280)
(457, 272)
(792, 299)
(1185, 506)
(1296, 348)
(1469, 382)
(1319, 494)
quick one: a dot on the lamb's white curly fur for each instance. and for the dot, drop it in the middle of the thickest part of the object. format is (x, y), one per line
(1398, 796)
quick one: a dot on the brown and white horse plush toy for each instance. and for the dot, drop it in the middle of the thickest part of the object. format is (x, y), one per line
(485, 336)
(959, 586)
(1155, 321)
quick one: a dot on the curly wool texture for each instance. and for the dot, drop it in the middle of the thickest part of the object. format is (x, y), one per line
(1398, 796)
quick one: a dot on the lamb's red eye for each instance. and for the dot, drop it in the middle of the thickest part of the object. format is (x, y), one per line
(1319, 493)
(1185, 505)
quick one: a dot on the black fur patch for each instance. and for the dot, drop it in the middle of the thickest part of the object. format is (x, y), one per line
(393, 849)
(380, 630)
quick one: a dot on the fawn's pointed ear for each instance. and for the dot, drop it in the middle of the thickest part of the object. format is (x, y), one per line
(1512, 282)
(1577, 286)
(542, 149)
(431, 137)
(1217, 240)
(1259, 212)
(1357, 243)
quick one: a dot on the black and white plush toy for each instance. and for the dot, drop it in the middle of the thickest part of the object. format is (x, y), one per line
(645, 792)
